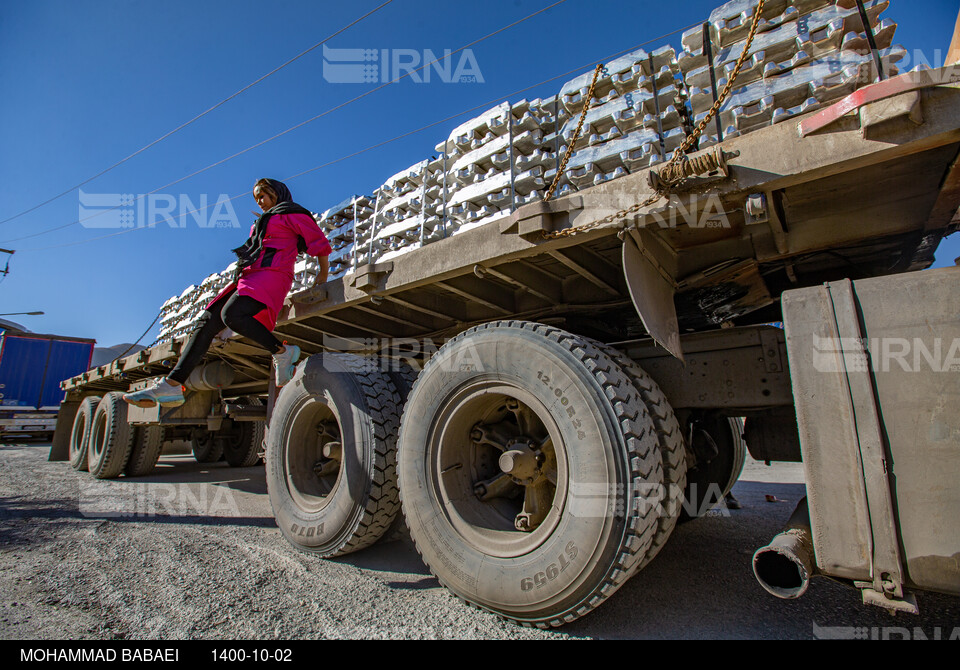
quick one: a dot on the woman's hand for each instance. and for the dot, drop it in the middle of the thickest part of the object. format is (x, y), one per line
(324, 271)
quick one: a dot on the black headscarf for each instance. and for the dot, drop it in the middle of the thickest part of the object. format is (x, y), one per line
(248, 254)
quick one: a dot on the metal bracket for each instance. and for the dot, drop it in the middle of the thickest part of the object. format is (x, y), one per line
(886, 563)
(531, 221)
(907, 605)
(310, 296)
(762, 208)
(756, 209)
(770, 342)
(368, 277)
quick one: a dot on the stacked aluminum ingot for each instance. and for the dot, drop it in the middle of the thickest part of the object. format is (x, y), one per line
(405, 213)
(636, 119)
(807, 54)
(338, 224)
(180, 313)
(168, 318)
(495, 163)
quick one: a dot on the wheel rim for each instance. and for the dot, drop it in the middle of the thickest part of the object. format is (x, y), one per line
(313, 456)
(498, 468)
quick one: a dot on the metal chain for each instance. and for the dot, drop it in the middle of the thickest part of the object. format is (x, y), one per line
(680, 154)
(576, 135)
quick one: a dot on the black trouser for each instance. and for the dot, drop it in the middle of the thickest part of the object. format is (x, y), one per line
(235, 312)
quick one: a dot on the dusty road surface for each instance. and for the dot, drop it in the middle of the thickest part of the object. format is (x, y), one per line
(194, 554)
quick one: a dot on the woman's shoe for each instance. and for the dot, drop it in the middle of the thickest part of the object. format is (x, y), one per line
(284, 363)
(161, 392)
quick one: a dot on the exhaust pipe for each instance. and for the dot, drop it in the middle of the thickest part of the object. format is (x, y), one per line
(784, 567)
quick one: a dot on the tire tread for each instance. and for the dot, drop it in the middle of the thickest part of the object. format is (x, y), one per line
(147, 443)
(671, 444)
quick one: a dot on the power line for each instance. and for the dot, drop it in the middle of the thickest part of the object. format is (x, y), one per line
(197, 117)
(391, 140)
(292, 128)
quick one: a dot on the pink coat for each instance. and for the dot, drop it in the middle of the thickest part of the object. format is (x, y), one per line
(269, 279)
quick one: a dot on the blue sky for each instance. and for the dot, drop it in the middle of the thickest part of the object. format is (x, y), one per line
(88, 82)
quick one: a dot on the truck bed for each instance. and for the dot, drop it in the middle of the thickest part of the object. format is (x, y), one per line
(871, 194)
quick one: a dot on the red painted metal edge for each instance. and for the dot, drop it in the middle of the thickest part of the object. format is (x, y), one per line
(905, 83)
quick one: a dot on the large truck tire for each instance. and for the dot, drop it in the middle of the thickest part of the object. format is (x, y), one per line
(147, 443)
(243, 444)
(331, 455)
(111, 437)
(709, 481)
(205, 448)
(522, 452)
(673, 453)
(80, 433)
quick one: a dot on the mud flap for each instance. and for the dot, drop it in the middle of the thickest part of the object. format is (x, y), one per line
(652, 294)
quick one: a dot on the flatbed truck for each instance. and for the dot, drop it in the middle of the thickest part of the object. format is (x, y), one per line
(540, 400)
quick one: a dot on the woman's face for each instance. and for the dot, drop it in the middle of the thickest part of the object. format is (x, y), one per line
(265, 198)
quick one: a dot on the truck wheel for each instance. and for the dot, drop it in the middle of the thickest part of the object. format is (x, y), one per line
(673, 456)
(111, 437)
(403, 377)
(331, 455)
(525, 458)
(242, 443)
(205, 448)
(721, 453)
(147, 443)
(80, 434)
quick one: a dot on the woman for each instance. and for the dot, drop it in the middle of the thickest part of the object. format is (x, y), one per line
(250, 305)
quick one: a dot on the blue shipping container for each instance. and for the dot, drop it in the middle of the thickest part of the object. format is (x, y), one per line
(32, 367)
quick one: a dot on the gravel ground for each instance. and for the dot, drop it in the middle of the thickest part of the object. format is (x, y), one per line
(201, 558)
(197, 556)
